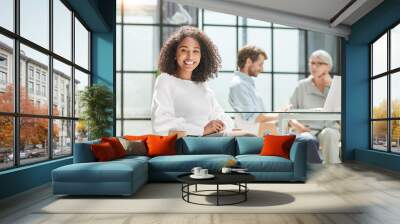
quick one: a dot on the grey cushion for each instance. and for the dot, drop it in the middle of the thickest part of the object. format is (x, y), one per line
(136, 147)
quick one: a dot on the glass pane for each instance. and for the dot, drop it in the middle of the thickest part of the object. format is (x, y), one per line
(226, 46)
(288, 55)
(264, 88)
(7, 14)
(395, 47)
(211, 17)
(252, 22)
(379, 56)
(395, 136)
(81, 131)
(81, 45)
(141, 11)
(33, 139)
(284, 86)
(119, 10)
(62, 29)
(118, 92)
(118, 51)
(118, 129)
(379, 97)
(220, 86)
(62, 89)
(138, 92)
(167, 31)
(6, 142)
(34, 78)
(282, 26)
(140, 48)
(379, 135)
(137, 127)
(326, 42)
(35, 21)
(81, 81)
(62, 138)
(395, 94)
(261, 37)
(177, 14)
(6, 74)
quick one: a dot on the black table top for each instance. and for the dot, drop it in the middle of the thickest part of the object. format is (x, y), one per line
(220, 178)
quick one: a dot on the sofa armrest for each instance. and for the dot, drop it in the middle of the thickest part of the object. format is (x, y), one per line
(298, 155)
(83, 152)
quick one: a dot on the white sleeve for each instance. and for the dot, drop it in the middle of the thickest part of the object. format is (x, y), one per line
(163, 118)
(219, 113)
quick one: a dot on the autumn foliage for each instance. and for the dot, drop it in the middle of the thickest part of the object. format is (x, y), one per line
(33, 131)
(380, 128)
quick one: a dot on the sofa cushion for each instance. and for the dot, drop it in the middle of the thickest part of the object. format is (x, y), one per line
(83, 152)
(257, 163)
(206, 145)
(185, 163)
(111, 171)
(249, 145)
(277, 145)
(103, 152)
(161, 145)
(135, 147)
(116, 145)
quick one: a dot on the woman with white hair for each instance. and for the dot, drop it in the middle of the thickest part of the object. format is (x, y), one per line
(311, 93)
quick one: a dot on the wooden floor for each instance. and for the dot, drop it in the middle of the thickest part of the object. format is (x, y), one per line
(378, 188)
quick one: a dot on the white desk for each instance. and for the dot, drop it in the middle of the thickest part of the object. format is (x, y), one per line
(316, 116)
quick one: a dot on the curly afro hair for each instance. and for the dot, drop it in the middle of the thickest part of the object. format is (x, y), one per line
(210, 60)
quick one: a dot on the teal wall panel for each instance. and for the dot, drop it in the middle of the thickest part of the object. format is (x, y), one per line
(357, 99)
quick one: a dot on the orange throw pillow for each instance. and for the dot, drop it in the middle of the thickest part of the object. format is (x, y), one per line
(161, 145)
(135, 138)
(277, 145)
(116, 145)
(103, 152)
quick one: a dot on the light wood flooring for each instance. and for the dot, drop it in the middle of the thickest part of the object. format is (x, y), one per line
(377, 188)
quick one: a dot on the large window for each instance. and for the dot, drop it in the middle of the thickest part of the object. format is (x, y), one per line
(385, 95)
(151, 22)
(40, 80)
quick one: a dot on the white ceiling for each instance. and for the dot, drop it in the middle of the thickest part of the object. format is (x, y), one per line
(316, 15)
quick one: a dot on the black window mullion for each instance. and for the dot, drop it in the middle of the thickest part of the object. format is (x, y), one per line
(389, 101)
(16, 83)
(122, 69)
(50, 81)
(272, 68)
(73, 80)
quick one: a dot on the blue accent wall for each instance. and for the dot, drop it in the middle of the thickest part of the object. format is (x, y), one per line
(357, 98)
(103, 52)
(99, 16)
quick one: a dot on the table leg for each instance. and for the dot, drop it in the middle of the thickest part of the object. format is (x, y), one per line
(217, 194)
(245, 192)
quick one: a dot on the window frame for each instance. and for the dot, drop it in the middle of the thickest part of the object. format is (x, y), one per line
(16, 115)
(388, 74)
(200, 23)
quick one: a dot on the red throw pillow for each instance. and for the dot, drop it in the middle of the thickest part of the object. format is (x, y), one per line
(277, 145)
(103, 151)
(116, 145)
(161, 145)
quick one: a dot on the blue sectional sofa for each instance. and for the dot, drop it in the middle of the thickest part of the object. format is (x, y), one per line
(125, 176)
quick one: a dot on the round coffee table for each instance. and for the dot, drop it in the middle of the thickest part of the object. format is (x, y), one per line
(238, 179)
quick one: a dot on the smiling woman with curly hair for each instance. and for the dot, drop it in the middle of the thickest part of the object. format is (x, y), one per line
(210, 59)
(182, 100)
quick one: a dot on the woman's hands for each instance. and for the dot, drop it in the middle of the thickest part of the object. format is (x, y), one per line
(214, 126)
